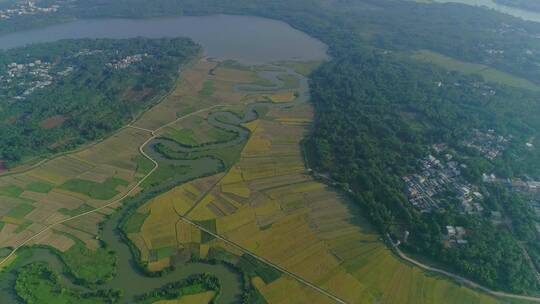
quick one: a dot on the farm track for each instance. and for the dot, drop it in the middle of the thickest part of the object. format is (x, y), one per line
(154, 135)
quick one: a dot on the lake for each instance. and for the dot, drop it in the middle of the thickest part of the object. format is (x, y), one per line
(250, 40)
(516, 12)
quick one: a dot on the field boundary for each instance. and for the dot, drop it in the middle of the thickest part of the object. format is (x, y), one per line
(265, 261)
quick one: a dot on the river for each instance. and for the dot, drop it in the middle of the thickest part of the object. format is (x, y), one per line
(249, 40)
(516, 12)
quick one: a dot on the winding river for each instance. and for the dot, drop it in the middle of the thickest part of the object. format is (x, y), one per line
(129, 278)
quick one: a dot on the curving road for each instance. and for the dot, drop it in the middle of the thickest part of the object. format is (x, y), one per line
(460, 279)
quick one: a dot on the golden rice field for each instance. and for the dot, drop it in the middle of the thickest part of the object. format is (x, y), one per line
(67, 186)
(269, 204)
(81, 181)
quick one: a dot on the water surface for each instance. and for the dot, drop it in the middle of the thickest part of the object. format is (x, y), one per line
(250, 40)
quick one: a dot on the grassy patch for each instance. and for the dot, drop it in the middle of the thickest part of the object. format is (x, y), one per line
(163, 252)
(488, 73)
(144, 165)
(21, 210)
(183, 137)
(209, 225)
(22, 227)
(208, 89)
(289, 81)
(11, 191)
(135, 222)
(100, 191)
(90, 266)
(302, 68)
(164, 174)
(39, 187)
(82, 209)
(254, 267)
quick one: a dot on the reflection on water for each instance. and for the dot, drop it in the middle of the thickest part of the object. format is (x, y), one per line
(250, 40)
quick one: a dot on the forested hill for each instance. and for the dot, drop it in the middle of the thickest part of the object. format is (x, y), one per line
(56, 96)
(380, 111)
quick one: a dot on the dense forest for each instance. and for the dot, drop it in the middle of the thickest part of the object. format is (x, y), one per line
(59, 95)
(378, 111)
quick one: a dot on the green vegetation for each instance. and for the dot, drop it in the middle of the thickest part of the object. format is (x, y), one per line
(39, 187)
(23, 226)
(100, 191)
(209, 225)
(377, 112)
(163, 252)
(184, 137)
(208, 89)
(36, 283)
(144, 165)
(73, 212)
(289, 81)
(135, 222)
(249, 268)
(165, 174)
(489, 74)
(253, 267)
(303, 68)
(11, 191)
(194, 284)
(21, 210)
(89, 267)
(87, 89)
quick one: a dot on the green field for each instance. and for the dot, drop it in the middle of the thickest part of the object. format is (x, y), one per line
(208, 89)
(39, 187)
(21, 210)
(11, 191)
(100, 191)
(489, 74)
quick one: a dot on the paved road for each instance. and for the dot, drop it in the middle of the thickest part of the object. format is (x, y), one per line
(461, 279)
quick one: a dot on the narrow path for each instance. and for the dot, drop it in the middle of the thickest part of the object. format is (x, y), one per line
(114, 201)
(267, 262)
(130, 191)
(458, 278)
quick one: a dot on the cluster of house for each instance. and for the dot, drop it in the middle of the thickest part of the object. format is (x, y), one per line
(21, 80)
(455, 235)
(26, 7)
(126, 62)
(489, 143)
(437, 176)
(26, 77)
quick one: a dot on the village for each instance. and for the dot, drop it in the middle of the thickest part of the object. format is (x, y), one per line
(21, 79)
(126, 62)
(439, 184)
(26, 7)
